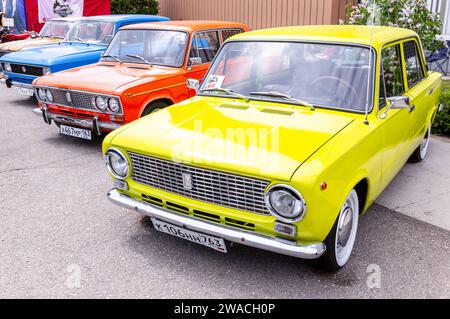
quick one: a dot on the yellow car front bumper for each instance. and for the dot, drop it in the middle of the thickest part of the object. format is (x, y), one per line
(277, 245)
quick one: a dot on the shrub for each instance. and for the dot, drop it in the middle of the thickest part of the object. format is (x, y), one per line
(441, 123)
(134, 7)
(409, 14)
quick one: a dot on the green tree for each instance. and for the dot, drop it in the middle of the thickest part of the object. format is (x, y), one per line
(134, 7)
(408, 14)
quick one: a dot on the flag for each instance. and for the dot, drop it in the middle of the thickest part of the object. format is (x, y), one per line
(49, 9)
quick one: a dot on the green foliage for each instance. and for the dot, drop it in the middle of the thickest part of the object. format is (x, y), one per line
(441, 123)
(134, 7)
(409, 14)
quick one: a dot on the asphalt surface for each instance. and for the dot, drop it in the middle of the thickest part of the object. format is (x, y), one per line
(60, 237)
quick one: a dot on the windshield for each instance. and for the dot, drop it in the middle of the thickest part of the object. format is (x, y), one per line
(55, 29)
(323, 75)
(91, 31)
(159, 47)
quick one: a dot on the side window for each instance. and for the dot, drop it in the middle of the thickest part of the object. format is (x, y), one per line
(391, 80)
(228, 33)
(414, 71)
(205, 46)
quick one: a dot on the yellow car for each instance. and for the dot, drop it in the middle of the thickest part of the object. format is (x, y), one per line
(293, 134)
(52, 32)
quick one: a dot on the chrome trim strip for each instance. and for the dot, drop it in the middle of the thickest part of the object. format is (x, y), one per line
(311, 251)
(155, 90)
(64, 119)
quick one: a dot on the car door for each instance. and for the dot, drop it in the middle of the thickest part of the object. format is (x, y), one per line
(394, 123)
(204, 47)
(418, 89)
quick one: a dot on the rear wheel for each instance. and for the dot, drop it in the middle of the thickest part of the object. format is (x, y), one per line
(341, 239)
(154, 107)
(421, 151)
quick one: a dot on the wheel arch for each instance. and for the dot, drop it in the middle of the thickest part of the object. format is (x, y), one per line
(147, 104)
(362, 189)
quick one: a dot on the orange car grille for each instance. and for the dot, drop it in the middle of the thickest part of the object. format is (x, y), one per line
(79, 100)
(209, 186)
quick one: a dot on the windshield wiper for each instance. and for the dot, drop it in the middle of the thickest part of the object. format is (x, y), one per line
(113, 57)
(76, 39)
(284, 96)
(229, 92)
(139, 58)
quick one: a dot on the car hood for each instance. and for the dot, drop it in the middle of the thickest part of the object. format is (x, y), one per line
(263, 140)
(22, 44)
(104, 77)
(47, 55)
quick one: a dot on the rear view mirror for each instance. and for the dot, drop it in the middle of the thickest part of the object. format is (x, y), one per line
(195, 61)
(193, 84)
(398, 102)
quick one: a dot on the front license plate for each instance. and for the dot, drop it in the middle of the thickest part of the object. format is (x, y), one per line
(199, 238)
(75, 132)
(24, 91)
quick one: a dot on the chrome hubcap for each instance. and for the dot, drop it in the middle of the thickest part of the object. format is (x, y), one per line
(345, 227)
(425, 143)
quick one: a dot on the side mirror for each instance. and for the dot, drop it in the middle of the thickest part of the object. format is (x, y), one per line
(195, 61)
(193, 84)
(398, 102)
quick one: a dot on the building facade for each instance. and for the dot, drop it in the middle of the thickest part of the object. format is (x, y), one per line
(258, 14)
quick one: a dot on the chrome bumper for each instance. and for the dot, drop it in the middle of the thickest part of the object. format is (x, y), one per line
(22, 85)
(310, 251)
(95, 125)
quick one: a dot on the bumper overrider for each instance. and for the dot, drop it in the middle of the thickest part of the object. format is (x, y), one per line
(93, 124)
(277, 245)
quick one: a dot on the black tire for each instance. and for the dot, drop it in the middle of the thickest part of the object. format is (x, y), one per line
(330, 261)
(154, 107)
(421, 151)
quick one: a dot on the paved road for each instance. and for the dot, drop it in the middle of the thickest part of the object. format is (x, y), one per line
(60, 237)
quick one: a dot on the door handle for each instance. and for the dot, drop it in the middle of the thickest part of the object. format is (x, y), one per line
(412, 108)
(430, 91)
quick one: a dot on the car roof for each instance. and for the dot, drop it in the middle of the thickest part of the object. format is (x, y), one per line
(67, 19)
(187, 25)
(376, 36)
(123, 17)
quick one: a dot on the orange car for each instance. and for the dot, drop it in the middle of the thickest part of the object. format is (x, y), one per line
(145, 68)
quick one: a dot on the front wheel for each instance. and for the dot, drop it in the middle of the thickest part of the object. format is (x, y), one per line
(421, 151)
(156, 106)
(339, 242)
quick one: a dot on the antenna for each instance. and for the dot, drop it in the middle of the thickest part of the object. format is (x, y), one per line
(368, 97)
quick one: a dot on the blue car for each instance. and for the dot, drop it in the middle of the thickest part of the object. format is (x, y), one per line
(84, 44)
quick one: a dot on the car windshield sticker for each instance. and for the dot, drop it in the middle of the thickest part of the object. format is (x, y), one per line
(214, 81)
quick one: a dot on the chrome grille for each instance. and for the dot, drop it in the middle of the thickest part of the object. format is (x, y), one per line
(59, 97)
(210, 186)
(27, 69)
(83, 100)
(79, 100)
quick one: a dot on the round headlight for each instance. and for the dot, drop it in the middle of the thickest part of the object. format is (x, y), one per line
(49, 95)
(117, 163)
(100, 103)
(285, 203)
(41, 94)
(7, 67)
(113, 105)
